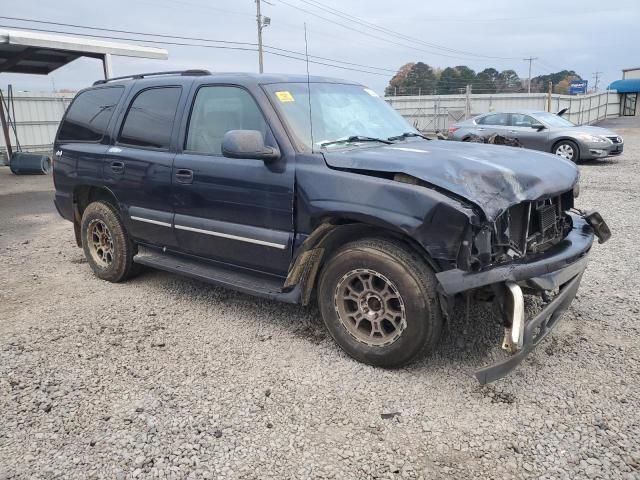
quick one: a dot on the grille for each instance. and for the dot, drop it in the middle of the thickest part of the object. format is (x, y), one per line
(547, 216)
(531, 227)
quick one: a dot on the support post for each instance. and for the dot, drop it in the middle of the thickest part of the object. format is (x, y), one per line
(549, 96)
(5, 129)
(467, 107)
(107, 66)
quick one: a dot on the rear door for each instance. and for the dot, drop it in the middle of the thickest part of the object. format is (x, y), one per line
(138, 165)
(520, 128)
(493, 123)
(236, 211)
(82, 140)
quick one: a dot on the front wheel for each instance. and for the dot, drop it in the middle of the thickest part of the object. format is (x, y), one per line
(106, 244)
(567, 150)
(378, 300)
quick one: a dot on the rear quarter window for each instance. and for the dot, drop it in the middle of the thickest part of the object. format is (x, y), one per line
(89, 114)
(149, 120)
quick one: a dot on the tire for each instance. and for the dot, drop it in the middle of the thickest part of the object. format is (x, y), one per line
(567, 146)
(106, 244)
(418, 319)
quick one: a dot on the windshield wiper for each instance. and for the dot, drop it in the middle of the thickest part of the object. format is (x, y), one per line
(355, 139)
(407, 135)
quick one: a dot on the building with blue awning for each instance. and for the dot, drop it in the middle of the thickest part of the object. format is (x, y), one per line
(629, 90)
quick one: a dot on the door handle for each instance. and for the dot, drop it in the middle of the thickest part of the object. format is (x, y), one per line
(117, 167)
(184, 175)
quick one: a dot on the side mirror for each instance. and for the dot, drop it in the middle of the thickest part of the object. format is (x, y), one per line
(247, 144)
(537, 126)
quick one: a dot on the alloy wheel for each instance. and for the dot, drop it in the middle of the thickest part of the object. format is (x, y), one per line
(370, 307)
(100, 243)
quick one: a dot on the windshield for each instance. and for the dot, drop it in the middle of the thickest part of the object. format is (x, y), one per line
(349, 113)
(554, 120)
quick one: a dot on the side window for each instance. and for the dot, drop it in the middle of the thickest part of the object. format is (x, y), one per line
(216, 110)
(149, 120)
(89, 114)
(499, 119)
(521, 120)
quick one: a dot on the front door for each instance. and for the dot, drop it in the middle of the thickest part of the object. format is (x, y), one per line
(520, 128)
(236, 211)
(138, 167)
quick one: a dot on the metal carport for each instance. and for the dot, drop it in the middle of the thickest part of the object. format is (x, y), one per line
(38, 53)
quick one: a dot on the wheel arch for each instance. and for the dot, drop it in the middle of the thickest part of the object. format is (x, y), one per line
(83, 195)
(558, 140)
(331, 234)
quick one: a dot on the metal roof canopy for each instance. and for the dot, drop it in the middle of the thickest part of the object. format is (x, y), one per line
(41, 53)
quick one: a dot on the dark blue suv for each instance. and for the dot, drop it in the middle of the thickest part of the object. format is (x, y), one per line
(293, 188)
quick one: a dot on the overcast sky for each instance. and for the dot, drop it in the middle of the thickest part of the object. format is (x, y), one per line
(585, 35)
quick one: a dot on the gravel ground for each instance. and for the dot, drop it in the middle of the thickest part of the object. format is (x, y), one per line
(165, 377)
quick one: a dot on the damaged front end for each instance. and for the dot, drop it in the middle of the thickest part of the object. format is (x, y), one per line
(535, 247)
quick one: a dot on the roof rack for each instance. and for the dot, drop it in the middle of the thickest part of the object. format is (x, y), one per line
(184, 73)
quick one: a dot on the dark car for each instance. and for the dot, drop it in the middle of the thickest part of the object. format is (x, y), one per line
(289, 187)
(543, 131)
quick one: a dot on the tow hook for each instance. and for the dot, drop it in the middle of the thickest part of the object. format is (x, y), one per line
(514, 310)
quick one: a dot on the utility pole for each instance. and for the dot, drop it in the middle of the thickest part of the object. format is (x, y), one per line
(596, 76)
(262, 22)
(530, 60)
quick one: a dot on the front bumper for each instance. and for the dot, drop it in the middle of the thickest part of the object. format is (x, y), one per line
(561, 268)
(535, 331)
(589, 151)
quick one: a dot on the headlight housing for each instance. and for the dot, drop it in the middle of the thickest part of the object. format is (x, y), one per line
(595, 139)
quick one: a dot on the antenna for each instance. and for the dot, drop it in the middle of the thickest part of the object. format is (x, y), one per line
(306, 55)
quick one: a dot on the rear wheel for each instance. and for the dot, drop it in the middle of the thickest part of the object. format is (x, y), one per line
(106, 244)
(378, 300)
(567, 150)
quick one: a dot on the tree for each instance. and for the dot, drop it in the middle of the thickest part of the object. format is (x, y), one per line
(399, 78)
(485, 81)
(455, 79)
(508, 82)
(448, 81)
(421, 78)
(560, 80)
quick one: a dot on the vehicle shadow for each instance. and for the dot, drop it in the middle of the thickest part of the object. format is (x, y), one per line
(599, 163)
(470, 339)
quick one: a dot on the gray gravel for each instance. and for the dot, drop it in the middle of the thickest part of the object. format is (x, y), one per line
(165, 377)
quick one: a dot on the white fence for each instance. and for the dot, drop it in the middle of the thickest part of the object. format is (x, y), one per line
(37, 114)
(37, 117)
(436, 112)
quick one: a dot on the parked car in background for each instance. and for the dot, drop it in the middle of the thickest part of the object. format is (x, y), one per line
(543, 131)
(289, 187)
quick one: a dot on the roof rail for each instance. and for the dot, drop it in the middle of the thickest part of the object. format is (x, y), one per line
(185, 73)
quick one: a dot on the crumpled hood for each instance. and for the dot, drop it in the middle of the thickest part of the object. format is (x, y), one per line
(492, 177)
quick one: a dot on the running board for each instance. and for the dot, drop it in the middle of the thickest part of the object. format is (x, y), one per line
(251, 283)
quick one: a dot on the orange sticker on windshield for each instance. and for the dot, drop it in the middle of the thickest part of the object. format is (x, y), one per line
(285, 96)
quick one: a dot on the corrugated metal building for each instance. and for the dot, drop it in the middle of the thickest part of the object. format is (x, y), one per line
(37, 117)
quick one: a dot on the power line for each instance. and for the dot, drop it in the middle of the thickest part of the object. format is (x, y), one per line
(596, 76)
(353, 18)
(530, 60)
(235, 45)
(348, 27)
